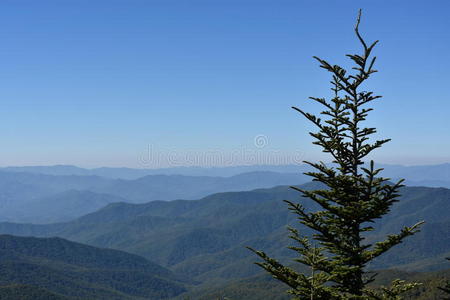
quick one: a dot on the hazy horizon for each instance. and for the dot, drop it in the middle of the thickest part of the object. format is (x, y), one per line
(203, 166)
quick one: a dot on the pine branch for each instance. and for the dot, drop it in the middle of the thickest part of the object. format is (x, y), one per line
(392, 240)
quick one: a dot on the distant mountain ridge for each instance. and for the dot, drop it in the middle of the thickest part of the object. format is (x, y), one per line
(131, 173)
(38, 198)
(31, 197)
(427, 175)
(60, 207)
(172, 187)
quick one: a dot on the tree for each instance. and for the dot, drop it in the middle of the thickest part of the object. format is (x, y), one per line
(446, 288)
(353, 197)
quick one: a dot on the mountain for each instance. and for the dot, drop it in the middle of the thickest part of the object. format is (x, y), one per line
(57, 170)
(58, 268)
(29, 196)
(19, 189)
(424, 175)
(59, 207)
(51, 183)
(193, 238)
(130, 173)
(205, 239)
(172, 187)
(38, 198)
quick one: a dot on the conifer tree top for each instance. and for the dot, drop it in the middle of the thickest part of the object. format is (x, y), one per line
(354, 195)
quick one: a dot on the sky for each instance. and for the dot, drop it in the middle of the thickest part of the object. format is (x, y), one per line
(150, 84)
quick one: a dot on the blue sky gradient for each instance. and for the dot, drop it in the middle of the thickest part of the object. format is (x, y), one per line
(96, 83)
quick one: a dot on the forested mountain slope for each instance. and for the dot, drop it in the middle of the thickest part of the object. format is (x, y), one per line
(264, 287)
(63, 268)
(205, 239)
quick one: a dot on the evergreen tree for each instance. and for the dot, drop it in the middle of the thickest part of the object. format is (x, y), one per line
(353, 197)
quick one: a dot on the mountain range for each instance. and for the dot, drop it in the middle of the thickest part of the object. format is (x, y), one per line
(205, 239)
(201, 241)
(51, 194)
(40, 198)
(426, 175)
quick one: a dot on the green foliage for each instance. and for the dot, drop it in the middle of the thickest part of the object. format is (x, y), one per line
(398, 287)
(82, 272)
(354, 196)
(265, 287)
(446, 288)
(27, 292)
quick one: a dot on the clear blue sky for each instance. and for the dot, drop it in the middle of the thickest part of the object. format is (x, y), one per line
(95, 83)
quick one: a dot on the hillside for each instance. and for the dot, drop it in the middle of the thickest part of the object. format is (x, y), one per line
(21, 195)
(205, 239)
(38, 198)
(172, 187)
(28, 292)
(265, 287)
(59, 207)
(31, 197)
(76, 271)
